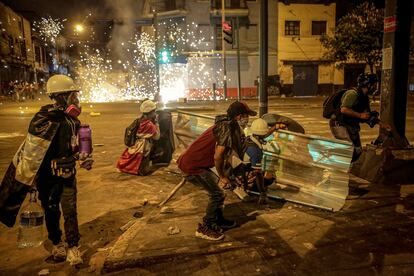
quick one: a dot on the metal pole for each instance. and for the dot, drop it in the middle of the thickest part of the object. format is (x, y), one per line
(214, 91)
(394, 79)
(223, 46)
(263, 57)
(157, 96)
(239, 94)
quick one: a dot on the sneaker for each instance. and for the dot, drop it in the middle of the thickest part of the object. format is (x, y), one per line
(226, 223)
(74, 256)
(205, 232)
(59, 252)
(239, 191)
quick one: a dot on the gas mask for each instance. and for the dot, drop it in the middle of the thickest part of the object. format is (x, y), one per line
(243, 122)
(73, 107)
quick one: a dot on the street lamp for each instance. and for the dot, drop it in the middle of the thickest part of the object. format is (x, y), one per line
(79, 28)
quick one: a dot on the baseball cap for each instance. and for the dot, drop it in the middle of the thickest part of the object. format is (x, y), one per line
(237, 108)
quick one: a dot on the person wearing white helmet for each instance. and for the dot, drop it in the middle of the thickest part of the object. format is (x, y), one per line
(139, 139)
(47, 161)
(256, 178)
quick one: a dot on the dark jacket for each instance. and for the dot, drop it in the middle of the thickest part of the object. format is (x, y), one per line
(47, 138)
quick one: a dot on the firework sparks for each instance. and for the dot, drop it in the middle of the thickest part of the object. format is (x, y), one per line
(133, 76)
(49, 28)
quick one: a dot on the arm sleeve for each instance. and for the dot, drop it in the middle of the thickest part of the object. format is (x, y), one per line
(255, 156)
(349, 98)
(223, 135)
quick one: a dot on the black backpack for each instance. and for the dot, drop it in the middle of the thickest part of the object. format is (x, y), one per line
(332, 104)
(130, 136)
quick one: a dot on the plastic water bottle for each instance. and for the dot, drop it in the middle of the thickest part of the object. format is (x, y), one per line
(85, 140)
(31, 224)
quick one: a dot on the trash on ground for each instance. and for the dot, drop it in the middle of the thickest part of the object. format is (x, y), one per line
(127, 225)
(139, 214)
(173, 230)
(166, 210)
(44, 271)
(309, 245)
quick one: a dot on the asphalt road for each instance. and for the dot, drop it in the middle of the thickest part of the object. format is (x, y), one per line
(114, 117)
(100, 216)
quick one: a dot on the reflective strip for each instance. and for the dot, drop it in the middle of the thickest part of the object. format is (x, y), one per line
(29, 157)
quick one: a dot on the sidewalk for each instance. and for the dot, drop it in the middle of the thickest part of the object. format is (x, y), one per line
(371, 235)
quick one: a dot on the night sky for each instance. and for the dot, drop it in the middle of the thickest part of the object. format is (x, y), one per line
(73, 10)
(76, 10)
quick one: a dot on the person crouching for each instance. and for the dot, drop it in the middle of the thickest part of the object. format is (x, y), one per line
(136, 159)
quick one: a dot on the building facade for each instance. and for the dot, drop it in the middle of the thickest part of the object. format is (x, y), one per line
(300, 53)
(22, 54)
(202, 51)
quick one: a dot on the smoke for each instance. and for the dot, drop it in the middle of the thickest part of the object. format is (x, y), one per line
(123, 13)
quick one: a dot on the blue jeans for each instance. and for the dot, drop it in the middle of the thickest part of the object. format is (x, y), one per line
(209, 181)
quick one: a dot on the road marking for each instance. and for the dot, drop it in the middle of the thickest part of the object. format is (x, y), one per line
(4, 135)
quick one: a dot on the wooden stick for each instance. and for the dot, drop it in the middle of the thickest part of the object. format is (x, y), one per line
(173, 191)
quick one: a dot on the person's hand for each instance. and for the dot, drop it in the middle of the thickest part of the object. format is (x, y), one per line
(385, 126)
(281, 126)
(364, 115)
(224, 182)
(86, 162)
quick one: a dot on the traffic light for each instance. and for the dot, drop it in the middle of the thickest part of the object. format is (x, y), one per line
(227, 32)
(165, 56)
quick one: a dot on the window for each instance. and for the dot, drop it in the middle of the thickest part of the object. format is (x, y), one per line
(37, 54)
(292, 27)
(318, 27)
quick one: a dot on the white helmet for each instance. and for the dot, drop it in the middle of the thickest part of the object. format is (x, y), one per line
(147, 106)
(259, 127)
(60, 84)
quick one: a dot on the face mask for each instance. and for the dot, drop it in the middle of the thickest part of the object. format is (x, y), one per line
(243, 122)
(73, 109)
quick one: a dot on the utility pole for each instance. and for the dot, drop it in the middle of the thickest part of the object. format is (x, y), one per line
(394, 78)
(223, 46)
(263, 57)
(239, 94)
(157, 96)
(391, 158)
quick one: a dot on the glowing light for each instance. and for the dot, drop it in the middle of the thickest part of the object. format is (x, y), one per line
(79, 28)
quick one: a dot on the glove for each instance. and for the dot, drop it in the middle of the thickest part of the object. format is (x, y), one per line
(63, 167)
(86, 161)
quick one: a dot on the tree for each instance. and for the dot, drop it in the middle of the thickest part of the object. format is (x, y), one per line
(358, 36)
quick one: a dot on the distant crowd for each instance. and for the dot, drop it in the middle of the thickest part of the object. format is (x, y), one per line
(20, 91)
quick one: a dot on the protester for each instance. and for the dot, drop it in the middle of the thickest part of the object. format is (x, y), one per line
(217, 147)
(354, 109)
(136, 158)
(47, 159)
(258, 175)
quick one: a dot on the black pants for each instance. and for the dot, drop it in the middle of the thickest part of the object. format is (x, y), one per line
(52, 194)
(209, 181)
